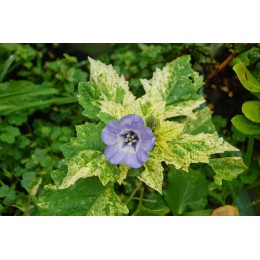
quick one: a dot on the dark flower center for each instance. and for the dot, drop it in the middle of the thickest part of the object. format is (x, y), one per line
(130, 139)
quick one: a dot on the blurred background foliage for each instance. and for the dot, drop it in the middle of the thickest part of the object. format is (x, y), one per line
(39, 111)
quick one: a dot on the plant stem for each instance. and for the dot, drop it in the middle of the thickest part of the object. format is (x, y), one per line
(133, 193)
(249, 151)
(139, 207)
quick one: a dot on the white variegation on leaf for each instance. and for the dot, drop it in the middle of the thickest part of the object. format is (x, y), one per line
(88, 163)
(227, 168)
(111, 85)
(187, 149)
(153, 174)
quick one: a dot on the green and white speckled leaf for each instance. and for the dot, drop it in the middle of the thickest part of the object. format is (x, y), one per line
(112, 87)
(153, 173)
(188, 149)
(227, 168)
(108, 204)
(199, 123)
(174, 89)
(88, 163)
(85, 197)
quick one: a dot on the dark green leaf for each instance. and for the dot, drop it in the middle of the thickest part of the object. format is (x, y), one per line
(186, 192)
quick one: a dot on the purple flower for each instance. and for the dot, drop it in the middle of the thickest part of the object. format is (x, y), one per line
(128, 141)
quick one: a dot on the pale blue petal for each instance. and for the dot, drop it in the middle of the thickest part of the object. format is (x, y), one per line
(113, 126)
(109, 138)
(132, 120)
(111, 150)
(118, 157)
(138, 123)
(147, 145)
(132, 161)
(142, 156)
(147, 134)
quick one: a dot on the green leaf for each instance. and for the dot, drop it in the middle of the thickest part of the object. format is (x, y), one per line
(186, 192)
(20, 95)
(85, 157)
(111, 86)
(88, 163)
(227, 168)
(245, 126)
(199, 123)
(85, 197)
(10, 134)
(251, 109)
(246, 78)
(4, 190)
(176, 82)
(153, 174)
(187, 149)
(204, 212)
(174, 89)
(143, 211)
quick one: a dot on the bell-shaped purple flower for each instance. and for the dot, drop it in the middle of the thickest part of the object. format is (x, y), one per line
(128, 141)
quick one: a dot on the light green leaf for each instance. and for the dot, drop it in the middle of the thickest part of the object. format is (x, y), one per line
(176, 82)
(186, 192)
(200, 123)
(245, 126)
(123, 170)
(166, 131)
(153, 173)
(85, 157)
(111, 86)
(183, 108)
(88, 163)
(251, 109)
(187, 149)
(108, 204)
(227, 168)
(246, 78)
(173, 90)
(85, 197)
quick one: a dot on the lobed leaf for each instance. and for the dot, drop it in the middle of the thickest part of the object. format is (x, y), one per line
(153, 174)
(85, 197)
(186, 192)
(227, 168)
(187, 149)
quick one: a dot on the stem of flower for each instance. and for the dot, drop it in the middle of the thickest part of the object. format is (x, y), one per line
(140, 204)
(133, 193)
(249, 151)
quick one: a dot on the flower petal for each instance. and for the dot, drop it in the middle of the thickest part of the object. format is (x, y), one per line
(147, 145)
(138, 123)
(114, 154)
(108, 137)
(111, 150)
(132, 161)
(118, 157)
(113, 126)
(147, 134)
(142, 156)
(132, 120)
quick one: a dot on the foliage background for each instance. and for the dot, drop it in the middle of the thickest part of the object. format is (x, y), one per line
(40, 110)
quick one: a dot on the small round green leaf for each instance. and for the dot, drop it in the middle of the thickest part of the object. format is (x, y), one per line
(245, 126)
(251, 109)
